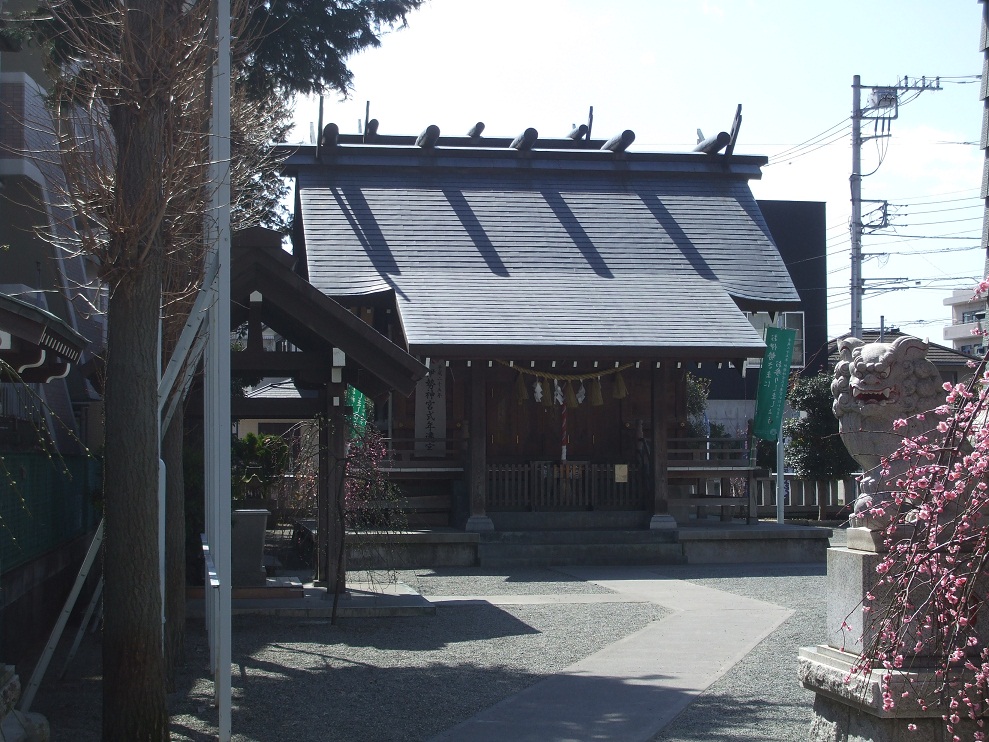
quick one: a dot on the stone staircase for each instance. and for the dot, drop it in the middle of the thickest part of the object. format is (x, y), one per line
(580, 538)
(578, 547)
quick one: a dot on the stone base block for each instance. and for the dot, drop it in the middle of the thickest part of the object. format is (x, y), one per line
(479, 523)
(865, 539)
(30, 727)
(849, 708)
(851, 575)
(662, 522)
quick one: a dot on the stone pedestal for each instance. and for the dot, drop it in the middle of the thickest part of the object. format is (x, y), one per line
(247, 547)
(851, 574)
(851, 710)
(16, 726)
(847, 707)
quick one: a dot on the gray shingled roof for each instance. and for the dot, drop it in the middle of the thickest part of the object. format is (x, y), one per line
(939, 355)
(274, 389)
(555, 254)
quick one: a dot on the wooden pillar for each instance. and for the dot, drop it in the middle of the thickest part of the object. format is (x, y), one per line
(663, 403)
(330, 567)
(478, 483)
(323, 491)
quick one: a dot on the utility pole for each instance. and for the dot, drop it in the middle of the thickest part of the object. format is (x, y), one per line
(985, 139)
(855, 225)
(883, 107)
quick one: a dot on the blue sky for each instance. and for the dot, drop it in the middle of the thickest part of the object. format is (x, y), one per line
(665, 68)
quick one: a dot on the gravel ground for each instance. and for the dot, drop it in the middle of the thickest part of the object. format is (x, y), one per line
(467, 582)
(423, 674)
(760, 697)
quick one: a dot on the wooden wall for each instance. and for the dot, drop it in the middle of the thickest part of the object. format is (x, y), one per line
(530, 430)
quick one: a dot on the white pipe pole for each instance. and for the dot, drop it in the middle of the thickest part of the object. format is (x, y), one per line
(187, 339)
(780, 478)
(218, 391)
(186, 380)
(209, 443)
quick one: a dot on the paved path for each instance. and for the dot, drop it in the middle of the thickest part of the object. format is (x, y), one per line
(633, 688)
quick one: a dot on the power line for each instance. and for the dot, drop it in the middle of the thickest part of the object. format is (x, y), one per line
(943, 221)
(945, 193)
(976, 205)
(953, 236)
(966, 248)
(813, 140)
(777, 159)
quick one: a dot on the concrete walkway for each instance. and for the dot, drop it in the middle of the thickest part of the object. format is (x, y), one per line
(633, 688)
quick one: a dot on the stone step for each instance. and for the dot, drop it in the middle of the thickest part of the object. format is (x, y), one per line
(584, 536)
(570, 519)
(493, 554)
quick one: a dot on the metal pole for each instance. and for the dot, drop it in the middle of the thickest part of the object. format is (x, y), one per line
(780, 458)
(855, 225)
(27, 698)
(217, 437)
(161, 495)
(780, 476)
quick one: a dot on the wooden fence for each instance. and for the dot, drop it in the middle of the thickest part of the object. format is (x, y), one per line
(708, 453)
(835, 497)
(563, 485)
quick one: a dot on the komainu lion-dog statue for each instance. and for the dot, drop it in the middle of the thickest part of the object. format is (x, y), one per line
(875, 384)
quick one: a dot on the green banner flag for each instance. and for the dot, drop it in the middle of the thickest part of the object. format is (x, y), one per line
(361, 411)
(773, 382)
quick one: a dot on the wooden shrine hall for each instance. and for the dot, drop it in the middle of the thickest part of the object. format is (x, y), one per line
(558, 290)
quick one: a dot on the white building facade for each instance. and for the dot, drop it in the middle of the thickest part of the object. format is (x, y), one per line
(967, 316)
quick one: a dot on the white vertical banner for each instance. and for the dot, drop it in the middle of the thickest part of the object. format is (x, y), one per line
(431, 412)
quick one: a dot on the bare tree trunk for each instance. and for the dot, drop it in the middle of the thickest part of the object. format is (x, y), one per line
(134, 703)
(171, 448)
(136, 191)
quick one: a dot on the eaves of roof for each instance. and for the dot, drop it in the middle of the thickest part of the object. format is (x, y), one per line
(306, 158)
(939, 355)
(307, 317)
(40, 327)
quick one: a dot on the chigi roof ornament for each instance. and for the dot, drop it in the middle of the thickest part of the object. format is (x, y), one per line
(329, 136)
(578, 132)
(526, 139)
(371, 130)
(331, 139)
(429, 137)
(620, 142)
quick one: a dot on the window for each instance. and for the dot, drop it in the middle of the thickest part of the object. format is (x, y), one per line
(973, 349)
(791, 321)
(972, 315)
